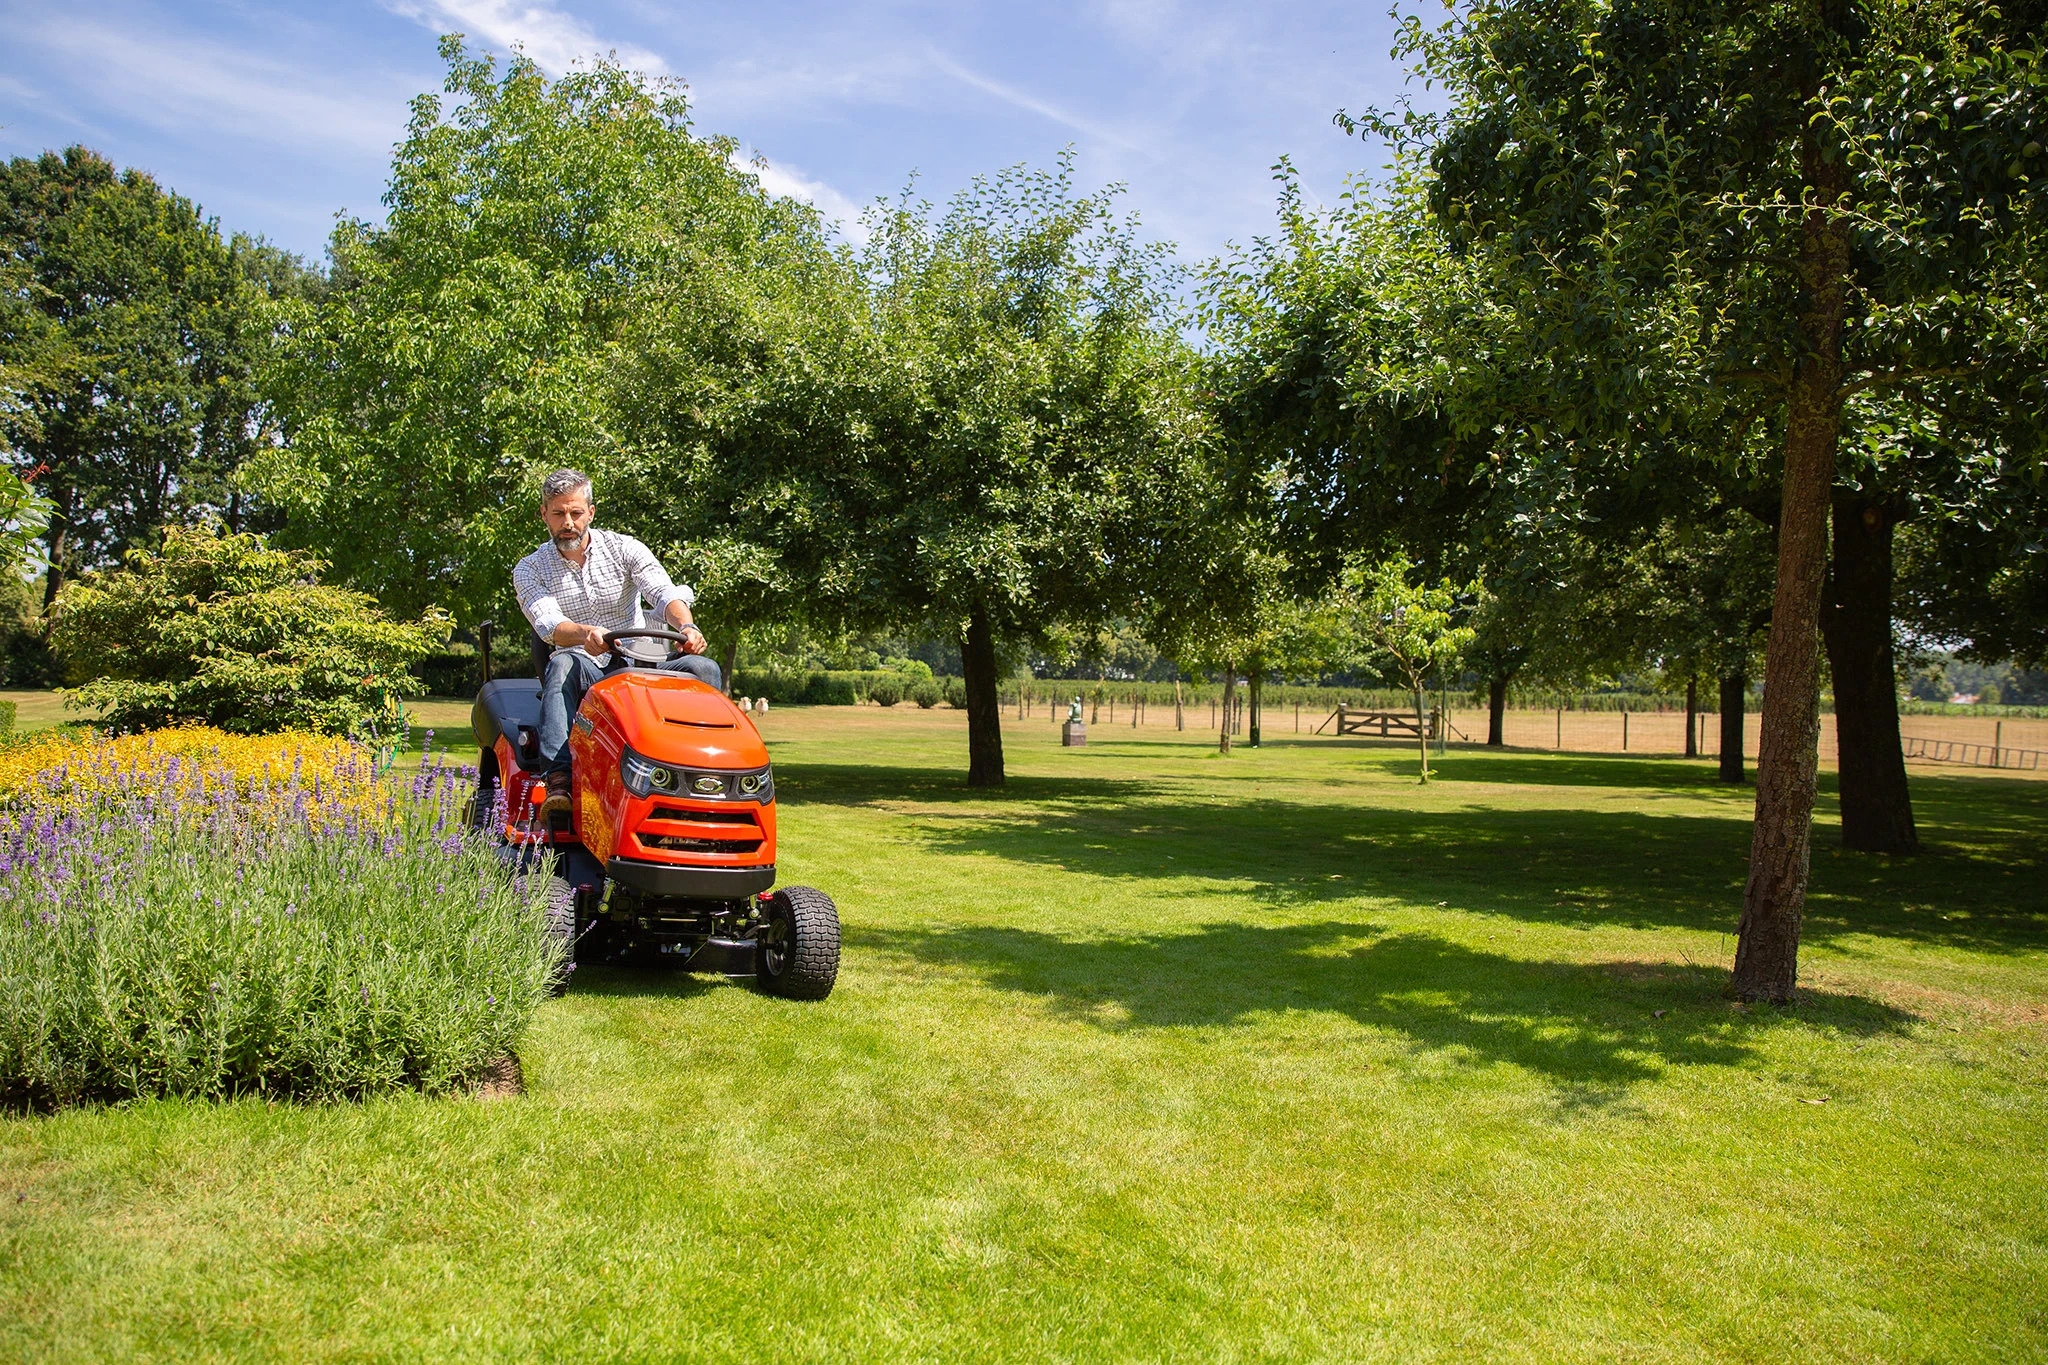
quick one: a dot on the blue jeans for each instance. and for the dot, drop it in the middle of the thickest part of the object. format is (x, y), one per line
(570, 674)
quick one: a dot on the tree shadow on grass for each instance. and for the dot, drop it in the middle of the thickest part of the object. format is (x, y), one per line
(649, 981)
(1981, 884)
(1593, 1029)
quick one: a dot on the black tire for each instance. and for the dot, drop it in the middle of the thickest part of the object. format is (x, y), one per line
(560, 929)
(476, 811)
(797, 956)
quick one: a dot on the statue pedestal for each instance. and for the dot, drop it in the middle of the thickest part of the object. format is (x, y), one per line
(1073, 734)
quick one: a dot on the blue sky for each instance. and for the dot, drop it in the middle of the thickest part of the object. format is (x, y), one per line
(277, 116)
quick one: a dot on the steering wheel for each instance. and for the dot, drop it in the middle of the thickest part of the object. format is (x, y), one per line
(648, 633)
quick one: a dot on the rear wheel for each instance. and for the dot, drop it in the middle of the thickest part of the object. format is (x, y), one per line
(477, 811)
(797, 956)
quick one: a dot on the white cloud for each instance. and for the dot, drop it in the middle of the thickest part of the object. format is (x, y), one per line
(1030, 103)
(178, 84)
(794, 184)
(553, 39)
(782, 86)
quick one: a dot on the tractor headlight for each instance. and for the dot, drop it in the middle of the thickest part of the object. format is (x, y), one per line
(642, 776)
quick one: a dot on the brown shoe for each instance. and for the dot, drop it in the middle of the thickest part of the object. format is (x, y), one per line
(558, 794)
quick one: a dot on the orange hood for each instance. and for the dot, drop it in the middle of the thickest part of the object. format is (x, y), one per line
(673, 719)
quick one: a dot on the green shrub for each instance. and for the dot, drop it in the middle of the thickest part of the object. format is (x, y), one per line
(25, 658)
(815, 688)
(885, 691)
(956, 693)
(926, 694)
(166, 944)
(223, 630)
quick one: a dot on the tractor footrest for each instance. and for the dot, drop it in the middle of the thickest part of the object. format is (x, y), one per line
(732, 956)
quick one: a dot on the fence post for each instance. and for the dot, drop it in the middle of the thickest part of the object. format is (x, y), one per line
(1997, 742)
(1560, 728)
(1624, 729)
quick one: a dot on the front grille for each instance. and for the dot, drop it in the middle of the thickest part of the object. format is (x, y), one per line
(677, 843)
(703, 817)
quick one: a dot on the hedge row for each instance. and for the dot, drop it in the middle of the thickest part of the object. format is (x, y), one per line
(846, 688)
(1949, 708)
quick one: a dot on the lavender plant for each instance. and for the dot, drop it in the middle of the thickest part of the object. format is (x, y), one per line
(172, 930)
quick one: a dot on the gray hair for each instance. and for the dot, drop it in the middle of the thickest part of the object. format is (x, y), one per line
(563, 481)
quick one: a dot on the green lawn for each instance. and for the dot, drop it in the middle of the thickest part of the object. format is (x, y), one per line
(39, 709)
(1159, 1056)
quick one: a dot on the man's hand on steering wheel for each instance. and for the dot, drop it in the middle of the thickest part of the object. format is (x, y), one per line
(693, 638)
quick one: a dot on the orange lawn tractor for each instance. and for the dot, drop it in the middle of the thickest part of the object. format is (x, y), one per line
(667, 854)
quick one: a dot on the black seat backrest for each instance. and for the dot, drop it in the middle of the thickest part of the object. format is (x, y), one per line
(541, 650)
(509, 706)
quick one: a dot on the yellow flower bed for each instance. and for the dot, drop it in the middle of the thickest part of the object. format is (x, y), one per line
(67, 770)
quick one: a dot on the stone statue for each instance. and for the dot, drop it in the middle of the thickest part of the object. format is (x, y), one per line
(1074, 712)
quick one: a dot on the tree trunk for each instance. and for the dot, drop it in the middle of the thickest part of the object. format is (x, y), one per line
(1229, 692)
(1496, 712)
(731, 659)
(54, 548)
(1692, 717)
(1258, 684)
(1180, 721)
(1781, 842)
(1856, 622)
(1421, 732)
(1734, 696)
(984, 716)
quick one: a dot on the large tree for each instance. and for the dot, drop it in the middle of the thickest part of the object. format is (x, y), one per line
(133, 334)
(492, 328)
(988, 434)
(1735, 233)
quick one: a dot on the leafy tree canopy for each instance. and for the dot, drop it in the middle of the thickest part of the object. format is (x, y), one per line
(492, 328)
(131, 333)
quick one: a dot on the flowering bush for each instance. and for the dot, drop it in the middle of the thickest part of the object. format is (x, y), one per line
(66, 767)
(173, 924)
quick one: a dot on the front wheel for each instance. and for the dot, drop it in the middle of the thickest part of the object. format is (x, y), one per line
(797, 952)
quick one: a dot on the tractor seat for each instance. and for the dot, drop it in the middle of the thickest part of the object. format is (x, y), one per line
(509, 706)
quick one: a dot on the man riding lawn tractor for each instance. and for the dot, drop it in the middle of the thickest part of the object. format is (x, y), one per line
(632, 779)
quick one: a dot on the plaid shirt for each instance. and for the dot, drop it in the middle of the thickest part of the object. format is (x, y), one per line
(605, 590)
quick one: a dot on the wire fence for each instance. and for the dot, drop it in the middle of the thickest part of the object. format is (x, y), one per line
(2010, 745)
